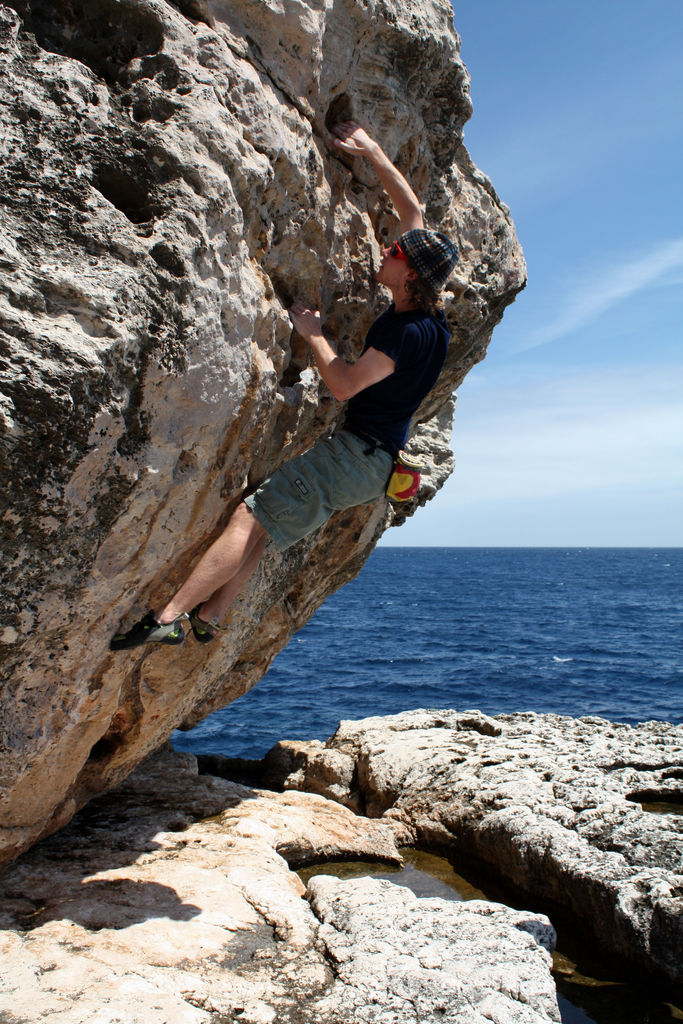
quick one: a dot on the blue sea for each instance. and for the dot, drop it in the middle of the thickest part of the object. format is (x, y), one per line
(576, 631)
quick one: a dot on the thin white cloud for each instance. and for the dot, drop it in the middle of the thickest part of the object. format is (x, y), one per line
(592, 457)
(578, 434)
(597, 294)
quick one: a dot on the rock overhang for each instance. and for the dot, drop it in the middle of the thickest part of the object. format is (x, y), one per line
(168, 187)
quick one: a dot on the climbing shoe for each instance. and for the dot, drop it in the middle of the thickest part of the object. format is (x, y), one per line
(149, 631)
(203, 631)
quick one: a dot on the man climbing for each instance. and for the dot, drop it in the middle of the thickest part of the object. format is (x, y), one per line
(403, 356)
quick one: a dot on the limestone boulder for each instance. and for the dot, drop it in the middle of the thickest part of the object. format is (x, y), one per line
(575, 814)
(167, 187)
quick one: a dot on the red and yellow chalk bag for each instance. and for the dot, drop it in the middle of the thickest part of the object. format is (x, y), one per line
(404, 482)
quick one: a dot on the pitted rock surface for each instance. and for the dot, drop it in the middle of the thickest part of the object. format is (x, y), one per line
(555, 806)
(415, 960)
(138, 911)
(167, 186)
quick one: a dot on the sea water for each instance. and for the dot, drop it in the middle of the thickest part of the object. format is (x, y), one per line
(575, 631)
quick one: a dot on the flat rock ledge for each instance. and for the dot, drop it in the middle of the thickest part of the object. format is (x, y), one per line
(172, 899)
(559, 808)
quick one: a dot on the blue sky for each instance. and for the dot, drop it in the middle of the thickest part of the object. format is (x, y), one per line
(571, 430)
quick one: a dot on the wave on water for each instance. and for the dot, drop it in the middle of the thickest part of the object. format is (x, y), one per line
(561, 661)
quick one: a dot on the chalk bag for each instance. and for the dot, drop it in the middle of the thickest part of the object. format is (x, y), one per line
(404, 482)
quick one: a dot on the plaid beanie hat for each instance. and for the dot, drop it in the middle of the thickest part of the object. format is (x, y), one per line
(431, 255)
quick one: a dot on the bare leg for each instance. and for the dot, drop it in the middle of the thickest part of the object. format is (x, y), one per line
(221, 600)
(226, 559)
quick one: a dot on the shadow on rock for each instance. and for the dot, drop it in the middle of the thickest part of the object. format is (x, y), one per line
(110, 903)
(93, 871)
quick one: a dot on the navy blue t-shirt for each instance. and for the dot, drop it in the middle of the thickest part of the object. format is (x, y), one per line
(417, 342)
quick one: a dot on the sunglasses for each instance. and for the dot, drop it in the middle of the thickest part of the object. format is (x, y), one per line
(397, 252)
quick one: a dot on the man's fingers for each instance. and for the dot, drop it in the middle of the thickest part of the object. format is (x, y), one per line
(348, 145)
(344, 129)
(297, 309)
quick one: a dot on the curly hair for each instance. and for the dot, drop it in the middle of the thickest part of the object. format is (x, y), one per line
(424, 297)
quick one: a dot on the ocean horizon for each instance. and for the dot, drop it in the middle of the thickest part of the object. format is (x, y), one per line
(564, 630)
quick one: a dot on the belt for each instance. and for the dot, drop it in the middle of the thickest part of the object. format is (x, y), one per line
(373, 443)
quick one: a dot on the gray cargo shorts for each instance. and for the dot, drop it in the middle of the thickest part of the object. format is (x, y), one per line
(332, 475)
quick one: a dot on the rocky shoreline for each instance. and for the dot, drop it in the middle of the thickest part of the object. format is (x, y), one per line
(173, 897)
(551, 804)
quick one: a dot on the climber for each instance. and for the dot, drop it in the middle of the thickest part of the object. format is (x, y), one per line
(404, 352)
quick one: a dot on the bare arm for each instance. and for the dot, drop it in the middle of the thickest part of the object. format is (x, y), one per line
(351, 138)
(343, 379)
